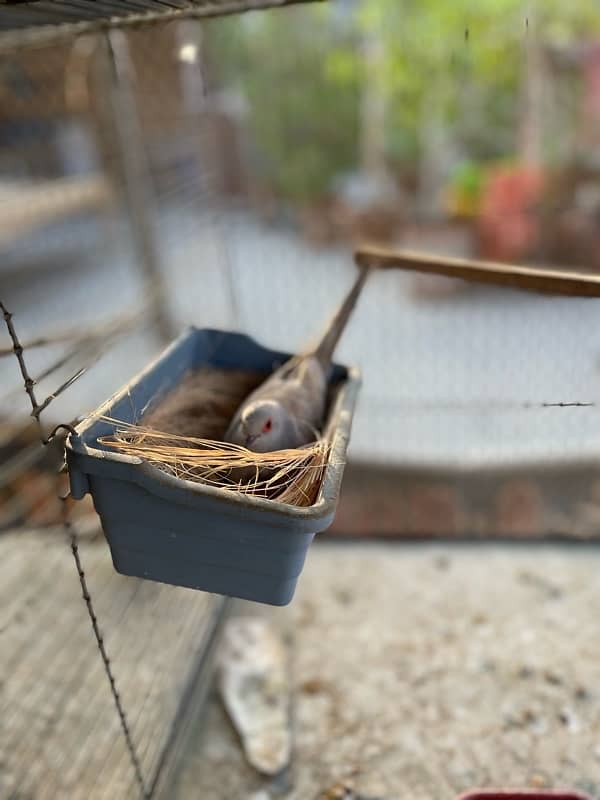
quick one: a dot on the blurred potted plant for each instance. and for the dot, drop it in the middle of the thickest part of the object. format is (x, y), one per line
(464, 191)
(508, 227)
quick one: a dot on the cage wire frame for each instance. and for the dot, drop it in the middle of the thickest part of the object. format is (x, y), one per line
(536, 279)
(118, 76)
(134, 181)
(36, 410)
(136, 196)
(34, 22)
(96, 338)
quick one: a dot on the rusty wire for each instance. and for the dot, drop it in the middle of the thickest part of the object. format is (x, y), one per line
(37, 409)
(102, 332)
(17, 348)
(103, 654)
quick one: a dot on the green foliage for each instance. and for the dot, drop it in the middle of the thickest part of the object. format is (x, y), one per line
(301, 80)
(468, 178)
(465, 188)
(462, 62)
(459, 62)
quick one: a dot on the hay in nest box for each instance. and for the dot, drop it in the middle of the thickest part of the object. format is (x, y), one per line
(183, 437)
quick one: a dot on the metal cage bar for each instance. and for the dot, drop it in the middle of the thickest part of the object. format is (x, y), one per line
(34, 22)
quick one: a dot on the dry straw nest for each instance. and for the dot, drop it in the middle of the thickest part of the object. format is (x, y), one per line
(180, 437)
(287, 476)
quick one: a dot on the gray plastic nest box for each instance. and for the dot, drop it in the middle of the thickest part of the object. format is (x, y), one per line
(166, 529)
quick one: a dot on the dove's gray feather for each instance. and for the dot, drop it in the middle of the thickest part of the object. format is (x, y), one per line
(292, 399)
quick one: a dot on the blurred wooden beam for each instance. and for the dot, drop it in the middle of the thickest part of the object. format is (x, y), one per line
(547, 280)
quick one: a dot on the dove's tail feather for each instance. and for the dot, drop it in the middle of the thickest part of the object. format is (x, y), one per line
(325, 349)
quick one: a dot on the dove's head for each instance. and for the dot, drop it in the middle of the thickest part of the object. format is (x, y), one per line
(264, 425)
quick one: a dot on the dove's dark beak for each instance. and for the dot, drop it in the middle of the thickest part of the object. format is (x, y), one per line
(250, 441)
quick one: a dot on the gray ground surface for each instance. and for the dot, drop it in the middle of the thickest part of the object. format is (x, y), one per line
(423, 671)
(443, 380)
(59, 733)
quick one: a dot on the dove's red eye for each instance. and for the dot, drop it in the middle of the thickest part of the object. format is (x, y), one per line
(267, 426)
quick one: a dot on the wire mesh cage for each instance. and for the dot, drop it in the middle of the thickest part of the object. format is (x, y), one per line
(464, 436)
(99, 190)
(142, 189)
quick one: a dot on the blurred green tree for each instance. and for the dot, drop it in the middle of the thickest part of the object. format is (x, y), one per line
(458, 66)
(300, 75)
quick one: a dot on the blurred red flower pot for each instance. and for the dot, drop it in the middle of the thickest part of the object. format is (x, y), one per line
(508, 225)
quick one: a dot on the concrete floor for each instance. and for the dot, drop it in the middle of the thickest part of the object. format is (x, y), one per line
(420, 671)
(60, 737)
